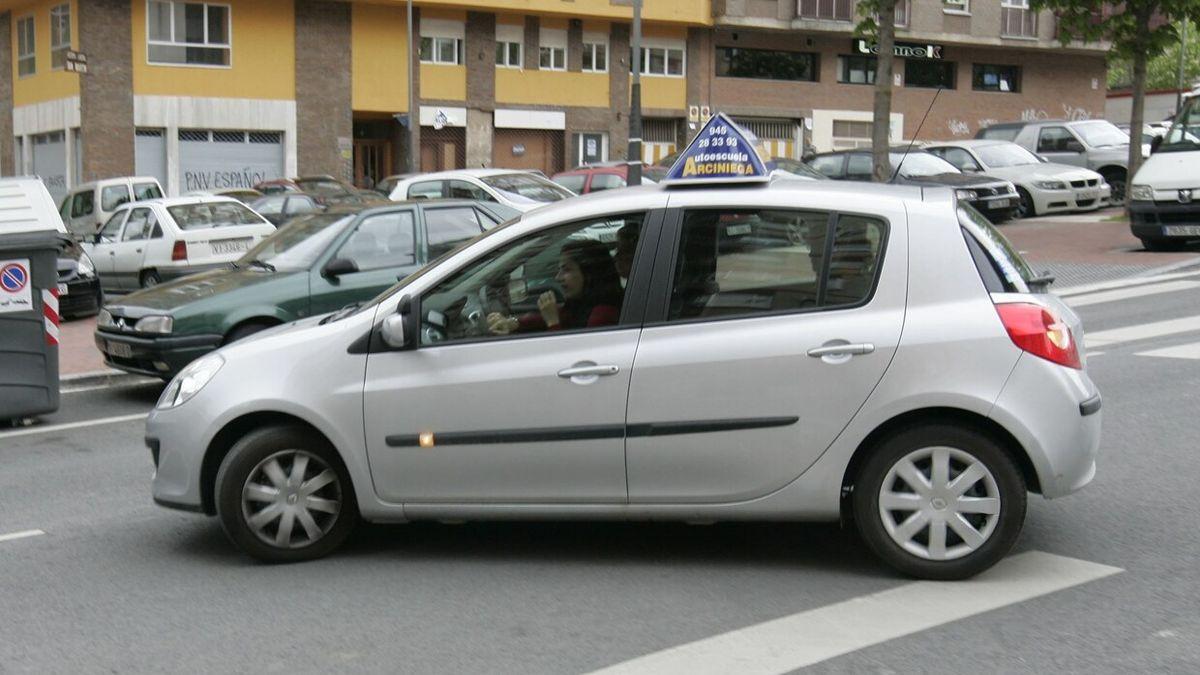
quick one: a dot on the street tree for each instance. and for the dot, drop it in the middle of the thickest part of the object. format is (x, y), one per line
(877, 23)
(1162, 72)
(1139, 31)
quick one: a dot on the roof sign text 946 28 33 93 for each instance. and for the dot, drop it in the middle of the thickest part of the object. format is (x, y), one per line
(722, 152)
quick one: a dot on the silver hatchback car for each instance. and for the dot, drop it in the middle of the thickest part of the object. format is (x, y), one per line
(787, 351)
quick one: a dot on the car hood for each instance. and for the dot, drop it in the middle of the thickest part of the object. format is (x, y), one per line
(952, 180)
(1116, 154)
(184, 291)
(1049, 171)
(1170, 171)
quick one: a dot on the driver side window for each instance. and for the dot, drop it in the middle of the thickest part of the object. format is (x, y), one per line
(566, 278)
(385, 240)
(112, 228)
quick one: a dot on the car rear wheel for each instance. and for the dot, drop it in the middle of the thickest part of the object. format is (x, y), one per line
(940, 502)
(149, 278)
(284, 496)
(1025, 206)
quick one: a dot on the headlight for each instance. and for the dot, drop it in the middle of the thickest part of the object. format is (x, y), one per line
(154, 324)
(1050, 184)
(190, 381)
(104, 319)
(965, 194)
(85, 267)
(1142, 193)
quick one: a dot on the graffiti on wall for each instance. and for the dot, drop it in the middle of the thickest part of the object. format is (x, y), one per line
(1069, 112)
(218, 180)
(959, 127)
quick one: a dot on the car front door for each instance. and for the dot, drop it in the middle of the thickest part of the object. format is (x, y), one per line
(130, 252)
(503, 399)
(1058, 144)
(772, 328)
(381, 246)
(104, 251)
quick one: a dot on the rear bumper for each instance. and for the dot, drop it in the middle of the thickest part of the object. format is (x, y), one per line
(154, 356)
(1160, 219)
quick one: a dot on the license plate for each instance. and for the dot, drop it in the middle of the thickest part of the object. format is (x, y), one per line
(63, 290)
(1090, 194)
(1181, 230)
(230, 245)
(999, 204)
(119, 349)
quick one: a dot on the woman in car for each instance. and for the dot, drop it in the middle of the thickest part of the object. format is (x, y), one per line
(591, 289)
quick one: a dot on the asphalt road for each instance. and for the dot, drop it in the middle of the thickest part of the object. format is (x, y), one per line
(116, 584)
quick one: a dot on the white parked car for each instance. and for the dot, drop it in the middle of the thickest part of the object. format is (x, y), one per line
(145, 243)
(522, 190)
(90, 204)
(1044, 187)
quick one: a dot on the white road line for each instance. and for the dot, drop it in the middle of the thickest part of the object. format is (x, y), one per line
(1142, 331)
(1128, 293)
(21, 535)
(1121, 283)
(802, 639)
(1191, 351)
(72, 425)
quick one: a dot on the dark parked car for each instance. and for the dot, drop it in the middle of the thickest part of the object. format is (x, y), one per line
(282, 206)
(995, 198)
(315, 264)
(79, 291)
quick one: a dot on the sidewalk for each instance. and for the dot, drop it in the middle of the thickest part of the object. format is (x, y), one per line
(77, 353)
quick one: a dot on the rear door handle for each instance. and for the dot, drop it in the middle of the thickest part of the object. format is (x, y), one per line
(588, 371)
(850, 350)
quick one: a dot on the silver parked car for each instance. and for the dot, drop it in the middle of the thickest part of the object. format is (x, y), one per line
(790, 351)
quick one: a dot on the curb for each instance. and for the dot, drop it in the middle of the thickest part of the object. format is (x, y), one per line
(108, 377)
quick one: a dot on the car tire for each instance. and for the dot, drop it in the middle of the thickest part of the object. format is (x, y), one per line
(1116, 181)
(246, 330)
(1025, 206)
(149, 279)
(283, 495)
(1159, 244)
(956, 515)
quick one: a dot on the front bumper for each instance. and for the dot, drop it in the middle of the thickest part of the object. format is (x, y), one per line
(998, 208)
(1165, 220)
(1072, 199)
(156, 356)
(81, 299)
(178, 456)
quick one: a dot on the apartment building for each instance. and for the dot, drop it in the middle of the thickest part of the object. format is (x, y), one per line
(213, 94)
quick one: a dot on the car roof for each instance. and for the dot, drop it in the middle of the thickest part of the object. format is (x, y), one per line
(180, 201)
(474, 173)
(114, 181)
(968, 143)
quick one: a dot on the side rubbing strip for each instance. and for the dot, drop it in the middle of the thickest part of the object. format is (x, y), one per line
(589, 433)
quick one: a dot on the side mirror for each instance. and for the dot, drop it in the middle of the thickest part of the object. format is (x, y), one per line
(1154, 144)
(392, 330)
(96, 238)
(337, 267)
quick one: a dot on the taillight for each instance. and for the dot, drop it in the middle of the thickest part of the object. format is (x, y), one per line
(1040, 332)
(179, 252)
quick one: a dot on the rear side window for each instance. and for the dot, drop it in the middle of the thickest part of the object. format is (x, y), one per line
(606, 181)
(573, 182)
(735, 263)
(113, 196)
(146, 191)
(205, 216)
(83, 204)
(1000, 265)
(428, 190)
(1000, 133)
(446, 228)
(830, 165)
(302, 205)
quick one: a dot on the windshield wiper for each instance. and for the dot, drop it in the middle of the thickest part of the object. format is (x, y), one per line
(341, 313)
(262, 263)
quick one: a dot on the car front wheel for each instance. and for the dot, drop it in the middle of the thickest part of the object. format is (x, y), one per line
(284, 496)
(940, 502)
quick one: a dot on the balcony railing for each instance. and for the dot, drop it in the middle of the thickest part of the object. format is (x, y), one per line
(843, 10)
(1018, 22)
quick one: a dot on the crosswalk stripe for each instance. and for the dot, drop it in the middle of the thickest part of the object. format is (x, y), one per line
(1142, 331)
(1190, 351)
(1128, 293)
(802, 639)
(1127, 282)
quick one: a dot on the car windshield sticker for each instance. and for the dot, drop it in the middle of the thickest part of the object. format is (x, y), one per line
(722, 152)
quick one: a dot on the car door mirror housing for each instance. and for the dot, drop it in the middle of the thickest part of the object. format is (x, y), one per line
(393, 331)
(337, 267)
(1154, 144)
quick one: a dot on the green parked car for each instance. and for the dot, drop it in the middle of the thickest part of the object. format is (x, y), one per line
(314, 264)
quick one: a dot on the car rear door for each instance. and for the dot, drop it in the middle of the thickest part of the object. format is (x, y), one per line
(767, 328)
(130, 251)
(382, 246)
(104, 251)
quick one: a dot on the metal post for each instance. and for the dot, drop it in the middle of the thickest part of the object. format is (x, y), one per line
(634, 158)
(414, 115)
(1182, 58)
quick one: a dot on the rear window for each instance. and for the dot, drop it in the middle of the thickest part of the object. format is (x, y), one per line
(113, 196)
(999, 133)
(573, 182)
(146, 191)
(208, 215)
(1000, 265)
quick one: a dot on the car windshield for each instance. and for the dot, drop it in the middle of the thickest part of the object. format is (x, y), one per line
(208, 215)
(322, 186)
(1009, 154)
(525, 188)
(1100, 134)
(920, 164)
(298, 244)
(1184, 133)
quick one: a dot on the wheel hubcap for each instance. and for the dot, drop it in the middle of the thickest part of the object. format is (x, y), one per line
(939, 503)
(291, 499)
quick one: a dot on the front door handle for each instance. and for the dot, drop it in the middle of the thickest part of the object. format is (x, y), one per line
(849, 350)
(588, 371)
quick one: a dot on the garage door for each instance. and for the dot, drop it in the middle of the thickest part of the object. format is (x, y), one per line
(443, 149)
(50, 162)
(214, 160)
(777, 137)
(150, 154)
(536, 149)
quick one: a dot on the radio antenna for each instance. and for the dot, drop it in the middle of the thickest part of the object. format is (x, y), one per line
(914, 138)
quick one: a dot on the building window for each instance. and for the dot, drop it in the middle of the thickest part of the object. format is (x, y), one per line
(441, 50)
(508, 54)
(590, 147)
(26, 48)
(826, 10)
(60, 36)
(996, 78)
(856, 69)
(552, 58)
(766, 64)
(851, 134)
(188, 34)
(928, 73)
(595, 57)
(666, 61)
(957, 6)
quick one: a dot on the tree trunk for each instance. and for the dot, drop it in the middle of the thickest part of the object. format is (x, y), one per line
(882, 121)
(1137, 115)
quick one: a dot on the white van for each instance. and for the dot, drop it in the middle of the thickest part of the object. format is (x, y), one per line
(87, 206)
(1164, 200)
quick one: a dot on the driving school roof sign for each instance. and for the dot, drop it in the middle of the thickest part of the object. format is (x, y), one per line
(722, 152)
